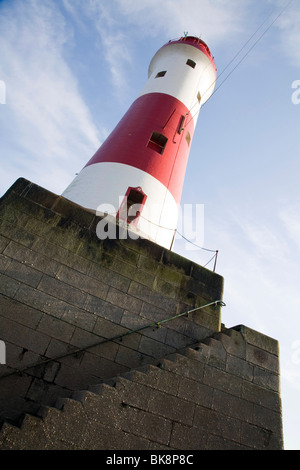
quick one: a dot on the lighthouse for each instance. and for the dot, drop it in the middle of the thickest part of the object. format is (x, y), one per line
(136, 176)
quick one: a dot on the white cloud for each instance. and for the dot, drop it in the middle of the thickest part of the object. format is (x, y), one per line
(110, 35)
(261, 277)
(289, 25)
(290, 216)
(52, 123)
(212, 20)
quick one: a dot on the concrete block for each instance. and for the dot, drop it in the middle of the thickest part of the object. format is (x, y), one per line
(16, 233)
(126, 301)
(239, 367)
(17, 312)
(146, 425)
(66, 234)
(42, 392)
(22, 336)
(99, 437)
(154, 348)
(19, 187)
(23, 273)
(195, 392)
(132, 359)
(171, 276)
(61, 255)
(232, 406)
(260, 396)
(188, 438)
(87, 284)
(109, 277)
(177, 263)
(171, 407)
(148, 264)
(217, 354)
(177, 340)
(193, 370)
(79, 318)
(103, 309)
(219, 443)
(3, 243)
(136, 322)
(262, 358)
(62, 291)
(255, 437)
(71, 211)
(66, 426)
(117, 333)
(63, 353)
(99, 367)
(121, 267)
(32, 258)
(266, 379)
(39, 195)
(8, 286)
(259, 340)
(222, 380)
(68, 378)
(151, 297)
(133, 393)
(40, 300)
(165, 288)
(4, 263)
(56, 328)
(119, 250)
(233, 342)
(144, 247)
(218, 424)
(162, 380)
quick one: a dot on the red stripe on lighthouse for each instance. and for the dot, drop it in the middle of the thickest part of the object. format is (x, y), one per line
(154, 136)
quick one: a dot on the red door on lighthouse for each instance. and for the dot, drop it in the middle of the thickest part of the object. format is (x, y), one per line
(132, 206)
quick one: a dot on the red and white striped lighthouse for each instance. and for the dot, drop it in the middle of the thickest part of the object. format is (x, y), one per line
(139, 169)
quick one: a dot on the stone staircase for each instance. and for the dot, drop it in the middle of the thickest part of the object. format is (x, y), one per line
(191, 399)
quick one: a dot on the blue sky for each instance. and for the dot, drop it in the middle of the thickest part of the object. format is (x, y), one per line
(71, 69)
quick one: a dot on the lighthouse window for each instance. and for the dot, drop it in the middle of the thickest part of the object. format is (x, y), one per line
(191, 63)
(157, 142)
(198, 96)
(161, 74)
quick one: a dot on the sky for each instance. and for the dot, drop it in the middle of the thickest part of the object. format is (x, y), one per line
(69, 70)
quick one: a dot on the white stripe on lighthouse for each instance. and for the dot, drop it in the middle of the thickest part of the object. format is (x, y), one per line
(181, 80)
(160, 213)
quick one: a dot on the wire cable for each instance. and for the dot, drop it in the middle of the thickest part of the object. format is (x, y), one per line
(244, 56)
(253, 45)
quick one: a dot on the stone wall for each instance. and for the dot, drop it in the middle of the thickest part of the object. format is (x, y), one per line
(79, 316)
(221, 394)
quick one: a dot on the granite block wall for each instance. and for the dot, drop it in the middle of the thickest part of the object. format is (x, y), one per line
(63, 290)
(208, 397)
(97, 331)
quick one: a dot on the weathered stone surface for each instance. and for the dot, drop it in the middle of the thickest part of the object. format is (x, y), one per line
(77, 312)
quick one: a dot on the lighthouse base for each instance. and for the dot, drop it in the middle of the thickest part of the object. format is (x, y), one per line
(118, 344)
